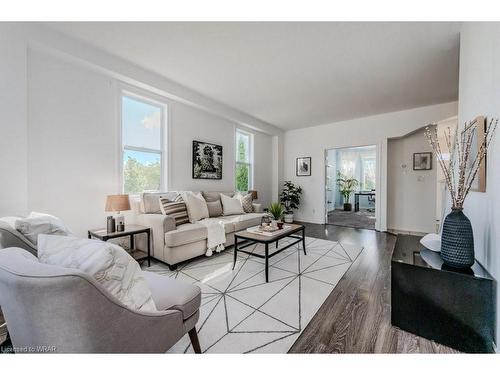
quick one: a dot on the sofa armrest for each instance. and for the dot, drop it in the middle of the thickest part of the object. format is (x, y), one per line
(159, 224)
(257, 207)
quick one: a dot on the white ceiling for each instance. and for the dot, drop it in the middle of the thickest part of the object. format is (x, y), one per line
(294, 75)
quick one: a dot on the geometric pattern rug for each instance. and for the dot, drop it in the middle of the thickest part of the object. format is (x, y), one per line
(241, 313)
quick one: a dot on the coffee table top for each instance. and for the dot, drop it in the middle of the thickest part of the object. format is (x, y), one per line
(263, 238)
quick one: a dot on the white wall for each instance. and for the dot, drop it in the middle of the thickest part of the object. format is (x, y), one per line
(479, 94)
(373, 130)
(13, 130)
(61, 152)
(411, 195)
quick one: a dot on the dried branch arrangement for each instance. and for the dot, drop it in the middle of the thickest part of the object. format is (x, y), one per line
(463, 166)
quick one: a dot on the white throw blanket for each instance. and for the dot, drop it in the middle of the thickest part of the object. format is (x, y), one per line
(216, 234)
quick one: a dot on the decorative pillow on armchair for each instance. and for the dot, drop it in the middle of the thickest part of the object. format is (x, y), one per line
(37, 223)
(107, 263)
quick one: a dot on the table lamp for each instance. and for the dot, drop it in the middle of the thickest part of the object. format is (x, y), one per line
(117, 203)
(254, 194)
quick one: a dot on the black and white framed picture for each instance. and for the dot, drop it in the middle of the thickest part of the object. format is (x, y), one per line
(303, 167)
(422, 161)
(207, 161)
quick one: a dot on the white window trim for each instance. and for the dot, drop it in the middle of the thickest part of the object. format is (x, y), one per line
(250, 164)
(147, 98)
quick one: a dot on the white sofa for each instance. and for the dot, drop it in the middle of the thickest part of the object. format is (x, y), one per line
(173, 244)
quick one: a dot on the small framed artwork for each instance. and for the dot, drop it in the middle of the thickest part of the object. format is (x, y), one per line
(303, 166)
(422, 161)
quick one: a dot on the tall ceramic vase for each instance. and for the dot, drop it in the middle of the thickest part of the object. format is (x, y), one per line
(457, 240)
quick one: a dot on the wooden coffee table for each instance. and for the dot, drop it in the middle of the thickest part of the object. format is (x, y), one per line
(245, 238)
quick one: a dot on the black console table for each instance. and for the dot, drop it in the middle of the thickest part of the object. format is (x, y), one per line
(451, 307)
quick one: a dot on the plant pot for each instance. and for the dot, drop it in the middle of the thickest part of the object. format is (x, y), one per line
(280, 225)
(288, 217)
(457, 240)
(347, 206)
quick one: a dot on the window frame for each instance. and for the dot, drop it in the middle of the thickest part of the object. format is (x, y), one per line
(250, 162)
(149, 99)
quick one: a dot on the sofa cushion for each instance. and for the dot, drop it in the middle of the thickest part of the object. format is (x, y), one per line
(196, 206)
(246, 201)
(150, 202)
(171, 294)
(247, 221)
(189, 233)
(176, 209)
(211, 196)
(231, 206)
(214, 208)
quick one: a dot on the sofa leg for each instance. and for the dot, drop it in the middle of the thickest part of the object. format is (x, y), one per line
(172, 267)
(193, 336)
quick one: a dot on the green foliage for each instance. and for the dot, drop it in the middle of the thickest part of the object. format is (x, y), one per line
(346, 185)
(242, 170)
(276, 210)
(139, 177)
(290, 196)
(242, 152)
(242, 177)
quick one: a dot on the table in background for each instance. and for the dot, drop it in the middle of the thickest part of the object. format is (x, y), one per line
(356, 198)
(130, 231)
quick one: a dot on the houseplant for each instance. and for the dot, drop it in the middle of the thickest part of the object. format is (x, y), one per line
(290, 198)
(276, 210)
(346, 187)
(457, 240)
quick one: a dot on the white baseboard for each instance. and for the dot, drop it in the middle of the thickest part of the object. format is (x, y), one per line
(400, 231)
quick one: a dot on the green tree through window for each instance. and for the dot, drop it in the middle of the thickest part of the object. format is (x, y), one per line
(243, 161)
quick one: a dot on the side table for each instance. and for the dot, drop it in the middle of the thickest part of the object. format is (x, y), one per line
(130, 231)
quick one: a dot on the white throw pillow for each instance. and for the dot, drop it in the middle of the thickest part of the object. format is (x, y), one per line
(107, 263)
(231, 206)
(37, 223)
(196, 206)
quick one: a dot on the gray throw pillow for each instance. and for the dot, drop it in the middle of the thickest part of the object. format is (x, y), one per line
(214, 208)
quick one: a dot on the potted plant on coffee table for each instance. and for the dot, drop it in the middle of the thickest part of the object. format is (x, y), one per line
(290, 198)
(346, 187)
(276, 210)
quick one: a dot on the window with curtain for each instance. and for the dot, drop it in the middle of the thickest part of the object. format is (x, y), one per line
(142, 144)
(244, 161)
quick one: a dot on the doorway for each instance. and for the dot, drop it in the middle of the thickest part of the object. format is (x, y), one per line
(350, 196)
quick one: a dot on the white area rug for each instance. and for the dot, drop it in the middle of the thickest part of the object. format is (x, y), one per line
(241, 313)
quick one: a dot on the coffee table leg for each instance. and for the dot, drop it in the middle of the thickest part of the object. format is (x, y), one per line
(149, 248)
(277, 243)
(267, 262)
(235, 251)
(304, 240)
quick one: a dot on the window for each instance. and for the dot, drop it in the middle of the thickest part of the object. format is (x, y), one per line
(368, 174)
(142, 145)
(243, 173)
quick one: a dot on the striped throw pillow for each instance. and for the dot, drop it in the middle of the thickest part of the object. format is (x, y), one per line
(176, 209)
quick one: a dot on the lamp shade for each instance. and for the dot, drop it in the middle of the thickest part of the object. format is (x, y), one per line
(254, 194)
(117, 203)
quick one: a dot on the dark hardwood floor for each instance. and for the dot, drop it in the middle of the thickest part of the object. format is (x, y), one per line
(356, 316)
